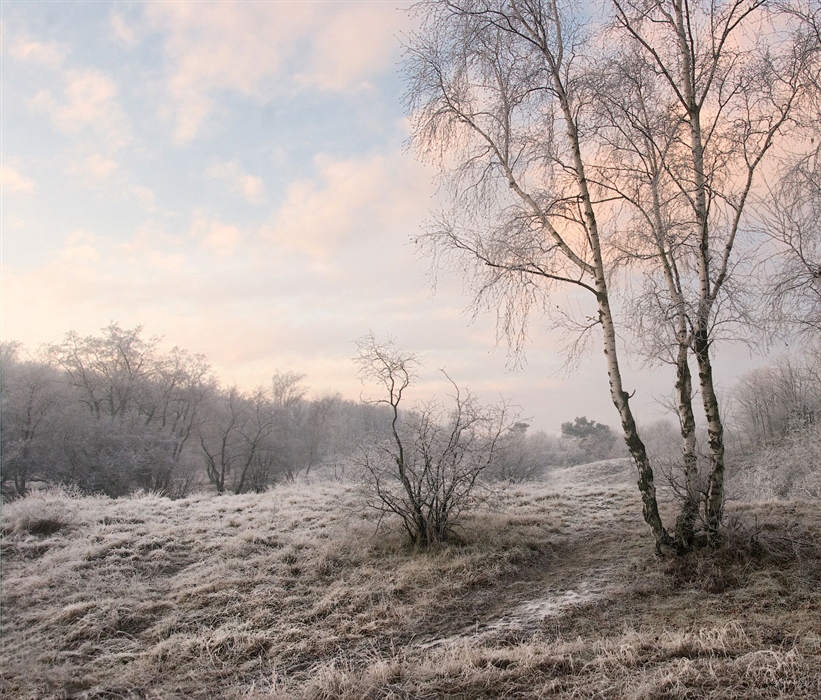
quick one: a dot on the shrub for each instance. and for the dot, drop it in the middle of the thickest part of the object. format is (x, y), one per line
(427, 471)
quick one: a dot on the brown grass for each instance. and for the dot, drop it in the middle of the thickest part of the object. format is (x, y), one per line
(554, 592)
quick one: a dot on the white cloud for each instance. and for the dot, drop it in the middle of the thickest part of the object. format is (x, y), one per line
(48, 54)
(218, 46)
(90, 101)
(92, 169)
(248, 47)
(252, 188)
(350, 49)
(145, 196)
(122, 32)
(99, 166)
(12, 181)
(215, 236)
(80, 250)
(88, 104)
(89, 110)
(349, 200)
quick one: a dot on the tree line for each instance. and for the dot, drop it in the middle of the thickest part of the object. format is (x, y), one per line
(113, 413)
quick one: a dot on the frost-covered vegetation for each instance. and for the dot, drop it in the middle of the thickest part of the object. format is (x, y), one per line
(294, 593)
(114, 413)
(544, 586)
(268, 544)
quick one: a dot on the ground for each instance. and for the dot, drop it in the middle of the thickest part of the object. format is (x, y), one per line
(551, 590)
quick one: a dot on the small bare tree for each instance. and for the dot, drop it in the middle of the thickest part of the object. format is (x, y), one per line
(427, 472)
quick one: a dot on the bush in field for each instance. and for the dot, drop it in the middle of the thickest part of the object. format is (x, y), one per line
(594, 440)
(790, 469)
(427, 471)
(522, 457)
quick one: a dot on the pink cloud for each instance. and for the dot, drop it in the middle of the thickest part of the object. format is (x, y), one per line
(12, 181)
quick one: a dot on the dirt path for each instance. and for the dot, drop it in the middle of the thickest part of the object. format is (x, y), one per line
(587, 563)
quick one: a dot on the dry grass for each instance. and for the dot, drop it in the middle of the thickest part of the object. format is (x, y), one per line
(555, 591)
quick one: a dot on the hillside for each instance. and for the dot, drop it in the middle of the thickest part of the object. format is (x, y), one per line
(554, 590)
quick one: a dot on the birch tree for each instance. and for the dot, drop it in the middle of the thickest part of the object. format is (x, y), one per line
(500, 100)
(697, 127)
(565, 144)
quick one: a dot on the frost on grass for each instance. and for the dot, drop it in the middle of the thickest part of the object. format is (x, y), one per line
(42, 513)
(295, 593)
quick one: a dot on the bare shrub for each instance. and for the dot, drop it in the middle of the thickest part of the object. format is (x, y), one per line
(427, 472)
(521, 457)
(789, 469)
(774, 401)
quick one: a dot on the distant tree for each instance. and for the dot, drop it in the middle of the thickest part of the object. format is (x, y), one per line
(236, 440)
(31, 400)
(111, 372)
(595, 439)
(113, 457)
(778, 399)
(136, 409)
(318, 428)
(290, 408)
(521, 457)
(584, 428)
(427, 471)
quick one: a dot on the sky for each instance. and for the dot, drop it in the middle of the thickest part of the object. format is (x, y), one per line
(234, 177)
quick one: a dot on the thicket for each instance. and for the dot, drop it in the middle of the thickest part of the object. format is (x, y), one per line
(777, 411)
(114, 413)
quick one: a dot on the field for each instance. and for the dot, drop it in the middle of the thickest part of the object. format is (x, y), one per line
(553, 590)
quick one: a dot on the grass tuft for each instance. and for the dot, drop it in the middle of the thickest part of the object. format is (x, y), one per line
(41, 513)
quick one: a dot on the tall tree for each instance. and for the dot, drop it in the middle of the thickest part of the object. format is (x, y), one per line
(500, 101)
(696, 126)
